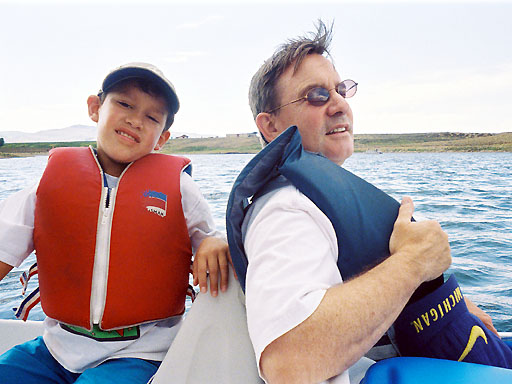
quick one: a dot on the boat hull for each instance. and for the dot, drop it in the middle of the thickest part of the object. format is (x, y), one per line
(213, 346)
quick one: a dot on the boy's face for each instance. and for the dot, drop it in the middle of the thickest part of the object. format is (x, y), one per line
(130, 124)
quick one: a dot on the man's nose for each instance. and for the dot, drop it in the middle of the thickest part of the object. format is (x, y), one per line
(337, 104)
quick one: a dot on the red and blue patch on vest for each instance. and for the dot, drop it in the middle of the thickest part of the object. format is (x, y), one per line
(156, 202)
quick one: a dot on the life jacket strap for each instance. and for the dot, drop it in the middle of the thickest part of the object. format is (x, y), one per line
(32, 299)
(27, 304)
(191, 293)
(26, 276)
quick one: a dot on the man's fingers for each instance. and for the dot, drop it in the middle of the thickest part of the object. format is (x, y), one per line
(482, 315)
(406, 210)
(490, 327)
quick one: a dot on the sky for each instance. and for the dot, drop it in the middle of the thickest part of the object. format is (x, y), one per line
(421, 66)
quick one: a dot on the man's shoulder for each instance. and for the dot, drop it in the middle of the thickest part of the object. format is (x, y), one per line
(285, 198)
(289, 195)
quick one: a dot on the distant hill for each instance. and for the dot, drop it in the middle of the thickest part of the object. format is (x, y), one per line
(72, 133)
(417, 142)
(435, 142)
(408, 142)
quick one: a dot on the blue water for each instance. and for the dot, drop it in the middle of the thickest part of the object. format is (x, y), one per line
(470, 194)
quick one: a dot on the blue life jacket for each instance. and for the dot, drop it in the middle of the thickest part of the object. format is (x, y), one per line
(361, 214)
(363, 217)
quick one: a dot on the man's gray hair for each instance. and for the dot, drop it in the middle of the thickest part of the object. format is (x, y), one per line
(262, 92)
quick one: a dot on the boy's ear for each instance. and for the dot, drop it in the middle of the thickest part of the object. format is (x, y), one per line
(93, 106)
(162, 140)
(265, 123)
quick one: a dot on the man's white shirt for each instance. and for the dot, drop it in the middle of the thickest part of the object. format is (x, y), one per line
(292, 251)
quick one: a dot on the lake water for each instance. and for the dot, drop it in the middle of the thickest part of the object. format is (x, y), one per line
(470, 194)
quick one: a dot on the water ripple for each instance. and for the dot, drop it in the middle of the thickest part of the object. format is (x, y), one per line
(470, 194)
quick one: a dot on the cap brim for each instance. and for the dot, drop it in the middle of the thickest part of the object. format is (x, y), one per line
(122, 74)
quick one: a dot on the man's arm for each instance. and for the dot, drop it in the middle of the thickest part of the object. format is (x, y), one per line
(483, 316)
(353, 316)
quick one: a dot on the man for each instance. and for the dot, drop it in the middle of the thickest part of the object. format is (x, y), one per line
(305, 323)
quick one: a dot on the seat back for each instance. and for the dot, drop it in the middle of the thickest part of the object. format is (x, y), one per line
(213, 344)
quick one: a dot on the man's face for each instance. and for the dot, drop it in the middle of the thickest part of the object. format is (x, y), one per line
(325, 129)
(130, 124)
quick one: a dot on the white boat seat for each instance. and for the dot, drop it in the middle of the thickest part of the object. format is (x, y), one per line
(14, 332)
(213, 344)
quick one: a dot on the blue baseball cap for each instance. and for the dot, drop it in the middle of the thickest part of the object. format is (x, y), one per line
(143, 71)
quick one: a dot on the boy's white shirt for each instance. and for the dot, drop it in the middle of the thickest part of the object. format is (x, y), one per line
(78, 353)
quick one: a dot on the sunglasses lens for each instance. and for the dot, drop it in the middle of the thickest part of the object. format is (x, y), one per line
(317, 96)
(347, 88)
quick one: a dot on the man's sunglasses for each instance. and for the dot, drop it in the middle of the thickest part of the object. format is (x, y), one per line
(319, 96)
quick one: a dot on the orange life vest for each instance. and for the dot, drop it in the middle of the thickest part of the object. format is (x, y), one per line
(150, 250)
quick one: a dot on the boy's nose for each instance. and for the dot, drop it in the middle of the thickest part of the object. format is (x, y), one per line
(134, 120)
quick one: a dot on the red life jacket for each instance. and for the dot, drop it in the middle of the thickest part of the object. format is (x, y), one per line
(150, 250)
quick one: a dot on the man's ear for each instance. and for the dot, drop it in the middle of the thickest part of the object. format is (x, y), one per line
(265, 123)
(162, 140)
(93, 106)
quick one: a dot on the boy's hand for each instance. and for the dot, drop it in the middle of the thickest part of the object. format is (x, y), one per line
(212, 257)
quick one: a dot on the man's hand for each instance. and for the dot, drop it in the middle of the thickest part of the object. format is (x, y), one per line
(354, 315)
(212, 257)
(424, 244)
(484, 317)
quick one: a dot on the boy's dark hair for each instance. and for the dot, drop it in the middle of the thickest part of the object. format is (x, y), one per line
(262, 91)
(147, 86)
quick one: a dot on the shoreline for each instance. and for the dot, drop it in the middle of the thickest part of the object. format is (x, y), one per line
(34, 154)
(249, 144)
(18, 155)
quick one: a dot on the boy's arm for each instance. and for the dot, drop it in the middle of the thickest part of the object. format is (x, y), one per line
(16, 228)
(208, 244)
(197, 213)
(4, 269)
(212, 257)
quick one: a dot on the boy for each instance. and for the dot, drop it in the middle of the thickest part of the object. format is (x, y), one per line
(113, 230)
